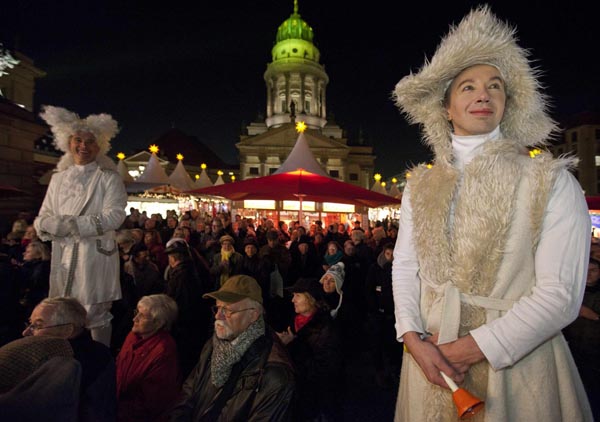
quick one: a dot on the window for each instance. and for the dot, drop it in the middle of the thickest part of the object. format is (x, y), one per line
(598, 134)
(573, 136)
(272, 170)
(307, 107)
(334, 173)
(253, 171)
(353, 177)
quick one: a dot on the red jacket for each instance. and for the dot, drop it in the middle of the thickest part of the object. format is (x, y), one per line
(148, 380)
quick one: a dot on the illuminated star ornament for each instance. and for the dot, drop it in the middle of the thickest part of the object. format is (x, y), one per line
(179, 157)
(121, 156)
(377, 177)
(534, 152)
(203, 166)
(153, 149)
(300, 127)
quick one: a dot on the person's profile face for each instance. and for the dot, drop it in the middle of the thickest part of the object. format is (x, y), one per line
(83, 147)
(476, 100)
(232, 319)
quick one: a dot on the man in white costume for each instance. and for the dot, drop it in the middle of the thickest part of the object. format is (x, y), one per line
(84, 205)
(491, 257)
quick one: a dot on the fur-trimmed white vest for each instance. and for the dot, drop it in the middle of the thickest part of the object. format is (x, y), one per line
(475, 238)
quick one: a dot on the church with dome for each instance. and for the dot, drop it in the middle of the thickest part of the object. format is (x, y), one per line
(296, 84)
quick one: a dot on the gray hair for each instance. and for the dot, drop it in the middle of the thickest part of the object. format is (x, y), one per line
(67, 310)
(41, 249)
(162, 308)
(125, 236)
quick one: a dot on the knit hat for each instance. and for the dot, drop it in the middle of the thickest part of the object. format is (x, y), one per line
(20, 358)
(338, 273)
(226, 238)
(237, 288)
(480, 38)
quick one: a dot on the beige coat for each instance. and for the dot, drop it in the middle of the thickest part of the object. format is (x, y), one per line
(475, 262)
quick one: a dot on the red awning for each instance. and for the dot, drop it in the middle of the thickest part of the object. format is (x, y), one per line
(295, 184)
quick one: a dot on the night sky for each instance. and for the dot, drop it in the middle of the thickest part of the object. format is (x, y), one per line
(199, 66)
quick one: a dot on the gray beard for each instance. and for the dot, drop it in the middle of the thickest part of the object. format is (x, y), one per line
(225, 354)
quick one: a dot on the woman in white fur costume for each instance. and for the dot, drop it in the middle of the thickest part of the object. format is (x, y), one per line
(493, 245)
(84, 205)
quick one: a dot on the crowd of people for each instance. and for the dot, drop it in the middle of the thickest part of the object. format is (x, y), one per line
(202, 318)
(323, 293)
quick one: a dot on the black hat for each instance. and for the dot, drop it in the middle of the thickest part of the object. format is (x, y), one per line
(307, 285)
(304, 239)
(250, 240)
(177, 246)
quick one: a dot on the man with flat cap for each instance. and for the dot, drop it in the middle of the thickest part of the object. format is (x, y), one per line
(244, 372)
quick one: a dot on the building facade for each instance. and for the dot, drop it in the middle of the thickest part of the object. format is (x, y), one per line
(296, 84)
(581, 138)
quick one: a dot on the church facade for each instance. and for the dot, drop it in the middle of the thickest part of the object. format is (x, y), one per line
(296, 85)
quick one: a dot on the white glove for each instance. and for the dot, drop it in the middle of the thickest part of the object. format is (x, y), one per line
(58, 225)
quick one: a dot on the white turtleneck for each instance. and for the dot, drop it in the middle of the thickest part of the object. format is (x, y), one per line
(466, 148)
(560, 266)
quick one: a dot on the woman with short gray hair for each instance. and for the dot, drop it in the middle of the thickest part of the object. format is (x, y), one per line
(148, 375)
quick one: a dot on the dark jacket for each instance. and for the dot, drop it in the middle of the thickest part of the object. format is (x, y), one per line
(263, 392)
(316, 353)
(379, 295)
(193, 325)
(98, 388)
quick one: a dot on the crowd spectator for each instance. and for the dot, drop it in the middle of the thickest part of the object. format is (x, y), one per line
(243, 373)
(34, 275)
(156, 249)
(305, 263)
(314, 346)
(333, 255)
(386, 352)
(148, 376)
(185, 286)
(583, 336)
(226, 263)
(65, 317)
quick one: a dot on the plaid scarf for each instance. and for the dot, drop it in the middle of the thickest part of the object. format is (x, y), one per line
(227, 353)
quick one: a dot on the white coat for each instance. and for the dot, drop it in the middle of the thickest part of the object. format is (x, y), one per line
(85, 263)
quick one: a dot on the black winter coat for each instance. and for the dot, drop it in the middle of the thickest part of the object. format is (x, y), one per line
(316, 353)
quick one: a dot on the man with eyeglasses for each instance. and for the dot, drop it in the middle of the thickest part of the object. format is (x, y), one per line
(244, 372)
(65, 317)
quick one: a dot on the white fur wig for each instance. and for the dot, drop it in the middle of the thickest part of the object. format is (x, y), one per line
(65, 123)
(480, 38)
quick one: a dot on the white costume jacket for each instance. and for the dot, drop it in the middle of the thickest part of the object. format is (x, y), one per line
(498, 251)
(85, 263)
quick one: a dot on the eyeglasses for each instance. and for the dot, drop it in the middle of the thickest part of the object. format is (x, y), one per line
(33, 327)
(226, 311)
(137, 314)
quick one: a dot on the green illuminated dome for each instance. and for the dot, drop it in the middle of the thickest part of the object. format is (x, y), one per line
(294, 28)
(295, 39)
